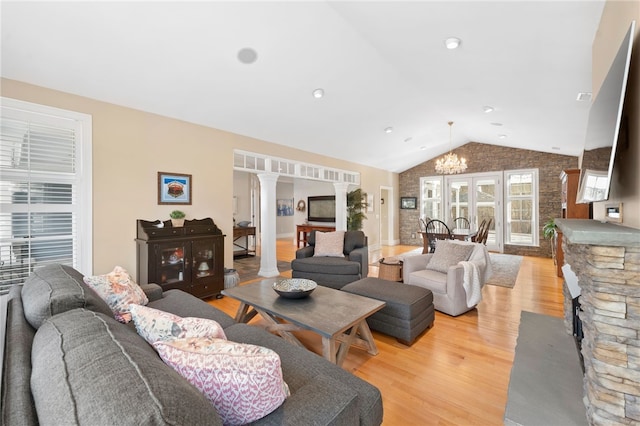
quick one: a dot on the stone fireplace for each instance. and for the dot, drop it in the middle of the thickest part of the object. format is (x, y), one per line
(606, 260)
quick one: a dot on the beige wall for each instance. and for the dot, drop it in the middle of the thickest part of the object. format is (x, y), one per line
(130, 147)
(616, 18)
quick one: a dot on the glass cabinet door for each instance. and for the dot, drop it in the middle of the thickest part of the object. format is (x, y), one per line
(203, 254)
(172, 264)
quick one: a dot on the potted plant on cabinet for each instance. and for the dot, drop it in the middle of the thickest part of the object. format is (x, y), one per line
(177, 218)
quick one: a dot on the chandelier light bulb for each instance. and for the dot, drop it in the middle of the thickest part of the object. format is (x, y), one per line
(450, 164)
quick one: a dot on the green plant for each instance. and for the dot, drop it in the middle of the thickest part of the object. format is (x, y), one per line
(177, 214)
(549, 229)
(355, 207)
(549, 232)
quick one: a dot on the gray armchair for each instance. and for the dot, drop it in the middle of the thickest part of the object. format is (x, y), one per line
(334, 272)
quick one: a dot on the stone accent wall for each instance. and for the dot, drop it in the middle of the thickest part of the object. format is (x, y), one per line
(609, 278)
(488, 158)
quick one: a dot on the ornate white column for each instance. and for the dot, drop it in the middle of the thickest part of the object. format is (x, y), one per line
(341, 205)
(268, 259)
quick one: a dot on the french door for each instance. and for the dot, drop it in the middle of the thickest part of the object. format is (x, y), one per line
(477, 197)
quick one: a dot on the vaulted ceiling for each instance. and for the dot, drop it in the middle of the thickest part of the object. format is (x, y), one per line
(390, 84)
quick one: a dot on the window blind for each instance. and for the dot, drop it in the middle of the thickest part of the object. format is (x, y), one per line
(39, 181)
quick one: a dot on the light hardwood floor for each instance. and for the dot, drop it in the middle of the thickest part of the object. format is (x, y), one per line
(457, 373)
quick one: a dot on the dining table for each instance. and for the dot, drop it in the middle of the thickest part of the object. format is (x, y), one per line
(456, 234)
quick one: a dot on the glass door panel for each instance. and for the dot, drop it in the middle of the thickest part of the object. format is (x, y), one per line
(172, 267)
(476, 197)
(203, 264)
(485, 207)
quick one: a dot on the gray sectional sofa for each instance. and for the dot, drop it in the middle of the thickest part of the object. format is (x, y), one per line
(67, 361)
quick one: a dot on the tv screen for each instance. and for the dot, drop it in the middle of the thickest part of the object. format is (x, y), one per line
(321, 208)
(604, 128)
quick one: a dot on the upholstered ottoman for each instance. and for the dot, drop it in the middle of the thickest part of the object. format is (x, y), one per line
(408, 312)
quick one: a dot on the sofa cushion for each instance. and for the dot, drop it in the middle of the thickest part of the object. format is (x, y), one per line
(448, 253)
(56, 288)
(90, 369)
(243, 382)
(329, 244)
(325, 265)
(429, 279)
(154, 325)
(119, 291)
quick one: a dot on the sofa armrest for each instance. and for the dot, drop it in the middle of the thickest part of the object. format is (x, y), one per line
(304, 252)
(412, 264)
(361, 255)
(153, 291)
(322, 401)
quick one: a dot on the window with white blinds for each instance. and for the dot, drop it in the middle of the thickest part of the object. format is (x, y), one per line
(45, 189)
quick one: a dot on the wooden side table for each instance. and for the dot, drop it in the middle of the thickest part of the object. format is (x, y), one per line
(302, 232)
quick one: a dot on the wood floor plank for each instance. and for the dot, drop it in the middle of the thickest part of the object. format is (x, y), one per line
(457, 373)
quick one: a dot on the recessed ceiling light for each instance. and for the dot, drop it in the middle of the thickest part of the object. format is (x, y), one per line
(388, 130)
(555, 148)
(487, 109)
(318, 93)
(452, 42)
(247, 55)
(584, 96)
(423, 148)
(407, 140)
(502, 136)
(496, 124)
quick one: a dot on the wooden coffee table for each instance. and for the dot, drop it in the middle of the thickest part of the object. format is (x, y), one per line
(338, 317)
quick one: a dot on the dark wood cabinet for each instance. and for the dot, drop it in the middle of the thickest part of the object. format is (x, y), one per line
(570, 209)
(188, 258)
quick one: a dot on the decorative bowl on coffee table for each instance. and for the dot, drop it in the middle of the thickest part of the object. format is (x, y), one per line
(294, 288)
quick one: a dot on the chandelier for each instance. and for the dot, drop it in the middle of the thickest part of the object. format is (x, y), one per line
(450, 164)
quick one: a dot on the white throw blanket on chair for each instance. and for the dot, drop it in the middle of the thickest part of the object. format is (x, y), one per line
(477, 270)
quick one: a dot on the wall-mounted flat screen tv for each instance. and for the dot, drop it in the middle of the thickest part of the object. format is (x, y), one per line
(321, 208)
(605, 127)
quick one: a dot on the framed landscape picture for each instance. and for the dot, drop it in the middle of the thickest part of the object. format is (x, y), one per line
(174, 188)
(408, 202)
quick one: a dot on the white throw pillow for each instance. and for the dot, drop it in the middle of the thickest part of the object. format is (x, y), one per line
(448, 253)
(329, 244)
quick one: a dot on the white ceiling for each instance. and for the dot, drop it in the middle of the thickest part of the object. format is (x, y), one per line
(381, 64)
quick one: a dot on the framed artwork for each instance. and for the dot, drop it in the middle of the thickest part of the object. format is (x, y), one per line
(285, 207)
(174, 188)
(408, 202)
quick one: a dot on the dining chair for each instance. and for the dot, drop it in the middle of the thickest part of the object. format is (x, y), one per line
(476, 238)
(461, 223)
(437, 230)
(423, 224)
(482, 238)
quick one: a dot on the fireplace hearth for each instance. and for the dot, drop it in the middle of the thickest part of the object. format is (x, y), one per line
(606, 261)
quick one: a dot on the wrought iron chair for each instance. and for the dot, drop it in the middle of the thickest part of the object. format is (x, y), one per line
(437, 230)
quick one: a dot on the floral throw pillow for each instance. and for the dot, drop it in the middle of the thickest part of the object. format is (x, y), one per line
(155, 325)
(329, 244)
(243, 382)
(119, 291)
